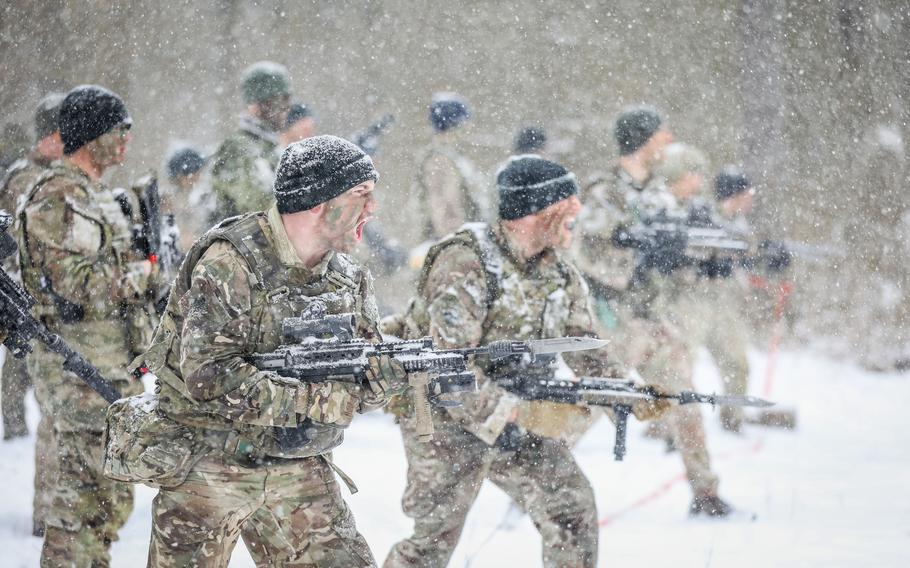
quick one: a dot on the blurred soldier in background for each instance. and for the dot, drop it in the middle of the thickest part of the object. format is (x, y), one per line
(187, 198)
(638, 311)
(243, 169)
(300, 125)
(15, 379)
(78, 261)
(530, 140)
(20, 176)
(448, 184)
(14, 144)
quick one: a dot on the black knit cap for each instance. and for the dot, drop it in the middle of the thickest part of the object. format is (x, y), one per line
(184, 162)
(89, 112)
(729, 182)
(317, 169)
(528, 184)
(529, 140)
(447, 111)
(635, 126)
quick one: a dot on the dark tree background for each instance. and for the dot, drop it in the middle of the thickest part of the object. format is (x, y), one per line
(811, 97)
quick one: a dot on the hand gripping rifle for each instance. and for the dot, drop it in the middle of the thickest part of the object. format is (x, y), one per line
(324, 348)
(20, 327)
(618, 394)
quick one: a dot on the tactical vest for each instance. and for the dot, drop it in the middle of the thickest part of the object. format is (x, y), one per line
(103, 213)
(279, 292)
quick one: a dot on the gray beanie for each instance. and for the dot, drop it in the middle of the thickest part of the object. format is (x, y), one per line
(317, 169)
(47, 115)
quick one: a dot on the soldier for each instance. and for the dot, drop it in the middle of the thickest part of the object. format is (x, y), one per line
(719, 304)
(77, 260)
(232, 292)
(300, 125)
(15, 379)
(18, 178)
(482, 284)
(448, 184)
(243, 170)
(187, 199)
(637, 313)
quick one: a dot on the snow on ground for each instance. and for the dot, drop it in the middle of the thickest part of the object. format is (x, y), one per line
(832, 493)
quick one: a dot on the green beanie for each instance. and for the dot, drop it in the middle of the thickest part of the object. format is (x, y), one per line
(265, 80)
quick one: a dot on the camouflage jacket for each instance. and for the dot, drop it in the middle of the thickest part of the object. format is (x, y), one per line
(77, 260)
(611, 201)
(231, 294)
(450, 189)
(17, 180)
(475, 289)
(243, 171)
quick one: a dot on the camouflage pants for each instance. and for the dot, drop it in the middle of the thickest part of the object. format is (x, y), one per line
(445, 475)
(290, 513)
(87, 509)
(663, 358)
(722, 330)
(14, 383)
(45, 454)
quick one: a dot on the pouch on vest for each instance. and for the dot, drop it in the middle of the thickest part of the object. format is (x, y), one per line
(141, 445)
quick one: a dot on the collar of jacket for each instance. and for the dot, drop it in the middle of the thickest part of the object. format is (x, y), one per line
(286, 253)
(256, 128)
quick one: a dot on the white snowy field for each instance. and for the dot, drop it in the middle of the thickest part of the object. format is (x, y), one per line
(832, 493)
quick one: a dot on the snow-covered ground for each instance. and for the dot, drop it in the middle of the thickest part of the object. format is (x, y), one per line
(832, 493)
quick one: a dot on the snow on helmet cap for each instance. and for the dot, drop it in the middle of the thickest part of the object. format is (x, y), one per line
(448, 110)
(265, 80)
(47, 114)
(318, 169)
(89, 112)
(528, 184)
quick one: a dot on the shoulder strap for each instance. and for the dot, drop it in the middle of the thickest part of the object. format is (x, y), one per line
(479, 237)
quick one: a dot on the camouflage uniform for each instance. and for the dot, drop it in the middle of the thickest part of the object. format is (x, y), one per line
(243, 170)
(77, 261)
(450, 189)
(231, 294)
(714, 319)
(15, 378)
(644, 325)
(475, 289)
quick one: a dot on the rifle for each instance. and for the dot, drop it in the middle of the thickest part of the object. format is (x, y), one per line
(20, 327)
(618, 394)
(323, 347)
(147, 232)
(368, 138)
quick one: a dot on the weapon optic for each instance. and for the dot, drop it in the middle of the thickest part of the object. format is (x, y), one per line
(618, 394)
(20, 327)
(323, 348)
(368, 138)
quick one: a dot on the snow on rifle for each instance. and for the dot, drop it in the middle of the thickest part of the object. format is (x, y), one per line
(324, 348)
(18, 326)
(618, 394)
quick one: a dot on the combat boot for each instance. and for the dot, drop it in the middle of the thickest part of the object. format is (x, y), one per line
(709, 505)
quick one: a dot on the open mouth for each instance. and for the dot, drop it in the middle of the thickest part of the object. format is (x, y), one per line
(358, 230)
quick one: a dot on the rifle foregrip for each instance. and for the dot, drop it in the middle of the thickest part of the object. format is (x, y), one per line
(418, 383)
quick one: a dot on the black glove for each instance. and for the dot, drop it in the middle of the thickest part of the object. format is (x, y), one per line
(716, 267)
(667, 252)
(775, 255)
(509, 440)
